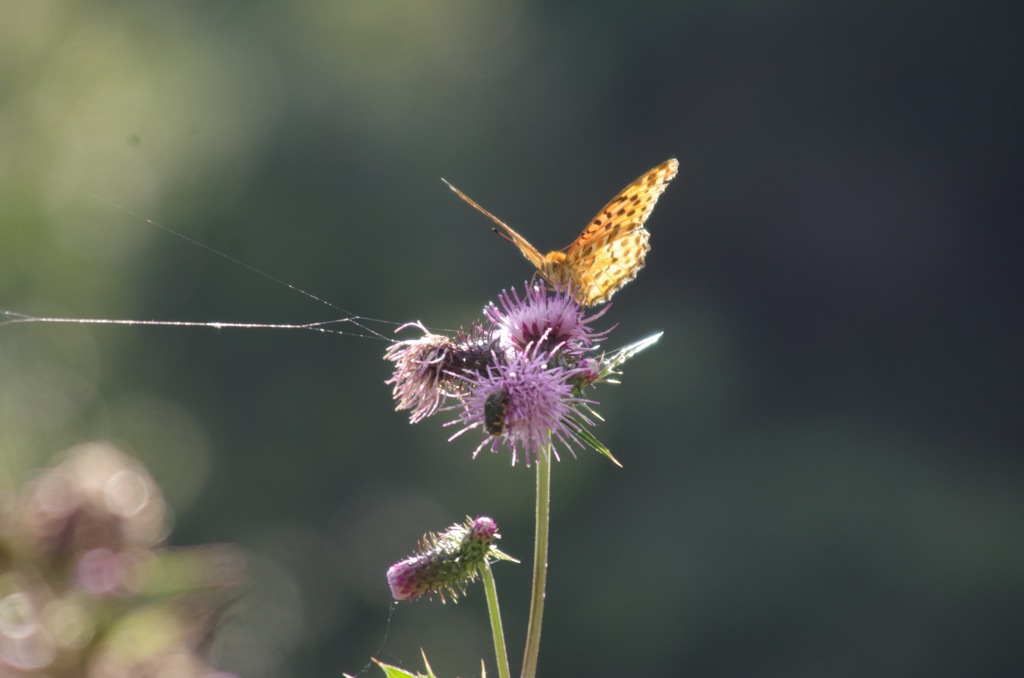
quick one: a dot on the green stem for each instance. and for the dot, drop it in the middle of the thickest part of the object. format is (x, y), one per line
(500, 654)
(540, 563)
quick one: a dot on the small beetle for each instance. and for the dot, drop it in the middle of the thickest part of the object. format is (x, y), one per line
(495, 409)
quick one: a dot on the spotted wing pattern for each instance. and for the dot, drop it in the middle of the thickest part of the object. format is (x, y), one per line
(613, 248)
(610, 251)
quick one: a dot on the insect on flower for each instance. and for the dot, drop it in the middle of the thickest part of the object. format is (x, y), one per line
(612, 248)
(495, 409)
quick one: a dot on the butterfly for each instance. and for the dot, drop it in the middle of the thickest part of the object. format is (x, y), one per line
(612, 248)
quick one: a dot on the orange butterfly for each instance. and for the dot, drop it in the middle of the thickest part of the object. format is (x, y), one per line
(610, 251)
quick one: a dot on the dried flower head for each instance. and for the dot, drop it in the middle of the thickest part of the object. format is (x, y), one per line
(428, 369)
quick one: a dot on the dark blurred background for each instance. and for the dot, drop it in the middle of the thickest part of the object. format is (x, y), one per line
(822, 457)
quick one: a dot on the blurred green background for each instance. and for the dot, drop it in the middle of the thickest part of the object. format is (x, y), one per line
(823, 469)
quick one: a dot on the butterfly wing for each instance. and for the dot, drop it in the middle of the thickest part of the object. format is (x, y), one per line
(612, 249)
(528, 250)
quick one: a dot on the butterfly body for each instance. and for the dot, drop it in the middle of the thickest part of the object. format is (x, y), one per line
(554, 269)
(612, 248)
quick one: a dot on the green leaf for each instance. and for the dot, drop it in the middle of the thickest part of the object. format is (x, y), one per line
(588, 437)
(395, 672)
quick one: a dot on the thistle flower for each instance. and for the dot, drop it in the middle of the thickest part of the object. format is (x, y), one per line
(519, 377)
(87, 587)
(97, 497)
(526, 404)
(553, 322)
(445, 563)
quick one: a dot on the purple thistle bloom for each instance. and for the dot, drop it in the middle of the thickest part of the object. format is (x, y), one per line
(445, 563)
(519, 377)
(526, 403)
(554, 322)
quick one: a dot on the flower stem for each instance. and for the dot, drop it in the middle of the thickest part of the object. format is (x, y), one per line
(540, 563)
(500, 654)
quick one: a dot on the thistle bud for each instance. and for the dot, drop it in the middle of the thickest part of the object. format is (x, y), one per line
(445, 563)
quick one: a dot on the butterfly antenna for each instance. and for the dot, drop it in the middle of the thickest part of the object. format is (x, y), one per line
(474, 204)
(503, 235)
